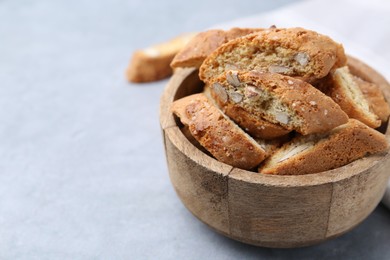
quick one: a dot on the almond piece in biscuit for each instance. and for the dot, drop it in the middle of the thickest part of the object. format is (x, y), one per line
(295, 52)
(322, 152)
(152, 63)
(204, 43)
(218, 134)
(257, 127)
(278, 99)
(345, 91)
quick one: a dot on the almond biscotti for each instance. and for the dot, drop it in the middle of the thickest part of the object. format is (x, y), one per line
(345, 91)
(278, 99)
(295, 52)
(218, 134)
(257, 127)
(375, 98)
(204, 43)
(317, 153)
(152, 63)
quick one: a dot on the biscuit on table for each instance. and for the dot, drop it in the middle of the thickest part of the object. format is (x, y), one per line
(152, 63)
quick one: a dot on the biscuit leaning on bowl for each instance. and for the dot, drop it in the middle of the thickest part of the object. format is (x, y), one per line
(375, 98)
(152, 63)
(187, 133)
(317, 153)
(278, 99)
(204, 43)
(345, 91)
(218, 134)
(257, 127)
(295, 52)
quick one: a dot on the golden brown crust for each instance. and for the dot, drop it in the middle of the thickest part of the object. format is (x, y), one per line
(220, 136)
(143, 68)
(343, 145)
(187, 133)
(344, 90)
(278, 99)
(293, 51)
(204, 43)
(152, 64)
(375, 98)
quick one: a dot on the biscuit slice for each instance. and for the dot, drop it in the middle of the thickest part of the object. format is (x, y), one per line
(218, 134)
(374, 96)
(345, 91)
(278, 99)
(317, 153)
(204, 43)
(257, 127)
(152, 63)
(187, 133)
(294, 52)
(271, 146)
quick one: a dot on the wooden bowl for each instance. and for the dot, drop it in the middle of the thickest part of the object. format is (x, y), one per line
(269, 210)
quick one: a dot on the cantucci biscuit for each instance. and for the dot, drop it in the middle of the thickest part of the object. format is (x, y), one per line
(152, 63)
(317, 153)
(257, 127)
(204, 43)
(278, 99)
(295, 52)
(218, 134)
(375, 98)
(345, 91)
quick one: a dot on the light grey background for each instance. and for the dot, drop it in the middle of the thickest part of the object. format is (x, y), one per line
(82, 167)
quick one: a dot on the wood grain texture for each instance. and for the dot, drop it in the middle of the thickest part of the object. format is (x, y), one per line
(271, 210)
(273, 215)
(353, 199)
(200, 183)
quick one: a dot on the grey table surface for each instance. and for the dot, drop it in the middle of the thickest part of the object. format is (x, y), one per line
(82, 167)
